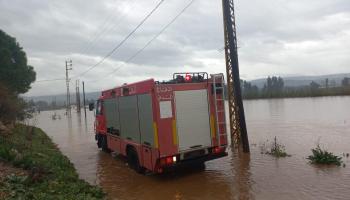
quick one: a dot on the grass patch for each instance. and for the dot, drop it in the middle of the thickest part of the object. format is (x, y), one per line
(322, 156)
(51, 174)
(274, 149)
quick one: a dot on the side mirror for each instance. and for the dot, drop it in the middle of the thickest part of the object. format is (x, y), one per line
(91, 106)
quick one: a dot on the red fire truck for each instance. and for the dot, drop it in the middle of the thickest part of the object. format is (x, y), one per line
(160, 125)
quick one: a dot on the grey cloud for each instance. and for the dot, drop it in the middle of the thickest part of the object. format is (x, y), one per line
(274, 37)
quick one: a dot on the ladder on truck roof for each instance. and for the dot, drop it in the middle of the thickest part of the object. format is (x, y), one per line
(218, 88)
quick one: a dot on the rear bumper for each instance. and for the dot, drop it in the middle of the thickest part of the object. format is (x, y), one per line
(193, 161)
(202, 158)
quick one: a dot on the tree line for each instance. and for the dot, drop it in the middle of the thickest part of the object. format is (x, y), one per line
(274, 87)
(53, 105)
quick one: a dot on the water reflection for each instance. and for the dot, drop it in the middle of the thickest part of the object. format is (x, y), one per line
(242, 174)
(276, 109)
(186, 183)
(69, 124)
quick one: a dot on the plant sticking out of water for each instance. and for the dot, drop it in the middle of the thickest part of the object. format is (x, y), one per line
(274, 149)
(322, 156)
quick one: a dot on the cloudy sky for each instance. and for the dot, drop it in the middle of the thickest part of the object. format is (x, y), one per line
(276, 37)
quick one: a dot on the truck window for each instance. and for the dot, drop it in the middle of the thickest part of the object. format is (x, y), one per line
(99, 107)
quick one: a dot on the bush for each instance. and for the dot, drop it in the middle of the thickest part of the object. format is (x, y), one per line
(275, 149)
(5, 153)
(50, 174)
(321, 156)
(12, 107)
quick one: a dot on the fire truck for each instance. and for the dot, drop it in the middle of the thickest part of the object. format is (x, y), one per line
(157, 126)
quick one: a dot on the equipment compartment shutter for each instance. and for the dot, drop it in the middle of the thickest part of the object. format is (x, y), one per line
(129, 119)
(112, 115)
(146, 119)
(192, 119)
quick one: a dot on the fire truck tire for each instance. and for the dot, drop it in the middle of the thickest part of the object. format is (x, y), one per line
(133, 161)
(98, 138)
(103, 143)
(200, 165)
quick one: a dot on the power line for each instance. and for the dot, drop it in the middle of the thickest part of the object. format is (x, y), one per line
(50, 80)
(100, 30)
(123, 41)
(153, 39)
(140, 50)
(106, 26)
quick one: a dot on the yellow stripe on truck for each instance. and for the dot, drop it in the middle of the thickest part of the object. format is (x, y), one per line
(212, 126)
(156, 144)
(174, 133)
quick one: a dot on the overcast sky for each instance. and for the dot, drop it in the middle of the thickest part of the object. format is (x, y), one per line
(275, 37)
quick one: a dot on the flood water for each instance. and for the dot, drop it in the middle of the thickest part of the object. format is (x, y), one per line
(299, 124)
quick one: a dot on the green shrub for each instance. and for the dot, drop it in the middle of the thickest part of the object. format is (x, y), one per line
(12, 106)
(274, 149)
(50, 174)
(16, 186)
(321, 156)
(5, 153)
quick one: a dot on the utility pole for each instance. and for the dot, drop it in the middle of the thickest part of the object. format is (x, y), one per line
(238, 126)
(84, 99)
(69, 65)
(77, 96)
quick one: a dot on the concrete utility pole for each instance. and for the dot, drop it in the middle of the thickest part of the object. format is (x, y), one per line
(69, 65)
(238, 126)
(84, 99)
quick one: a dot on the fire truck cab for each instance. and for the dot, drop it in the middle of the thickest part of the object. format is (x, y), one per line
(159, 125)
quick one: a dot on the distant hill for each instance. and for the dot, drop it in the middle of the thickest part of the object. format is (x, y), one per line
(297, 81)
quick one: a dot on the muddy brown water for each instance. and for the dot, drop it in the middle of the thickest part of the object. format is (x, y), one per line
(298, 124)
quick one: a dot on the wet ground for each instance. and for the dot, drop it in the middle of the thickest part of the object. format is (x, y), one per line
(299, 124)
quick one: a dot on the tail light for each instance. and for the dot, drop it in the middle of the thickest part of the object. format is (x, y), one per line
(218, 150)
(169, 160)
(166, 161)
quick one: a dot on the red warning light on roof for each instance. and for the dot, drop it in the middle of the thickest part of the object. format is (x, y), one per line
(188, 77)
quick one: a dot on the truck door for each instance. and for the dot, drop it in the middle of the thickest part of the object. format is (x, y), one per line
(100, 123)
(192, 119)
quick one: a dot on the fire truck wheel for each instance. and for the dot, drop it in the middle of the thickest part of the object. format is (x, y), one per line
(133, 161)
(104, 144)
(99, 145)
(200, 166)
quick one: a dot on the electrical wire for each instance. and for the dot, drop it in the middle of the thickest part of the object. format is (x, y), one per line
(106, 26)
(50, 80)
(123, 41)
(150, 41)
(140, 50)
